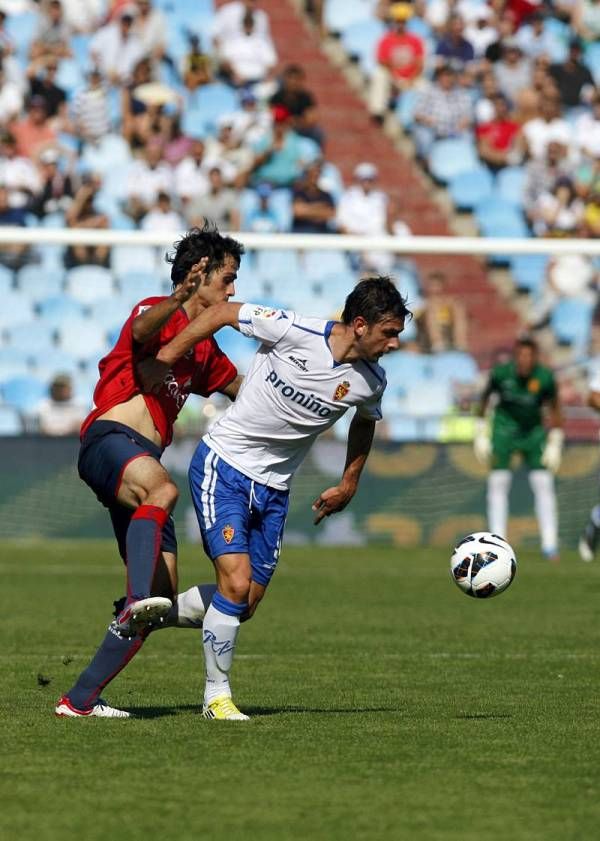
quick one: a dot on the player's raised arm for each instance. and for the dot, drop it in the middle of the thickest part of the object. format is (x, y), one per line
(360, 439)
(149, 322)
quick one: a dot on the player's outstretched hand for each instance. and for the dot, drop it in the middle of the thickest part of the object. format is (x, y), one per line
(482, 446)
(331, 501)
(151, 373)
(552, 454)
(192, 281)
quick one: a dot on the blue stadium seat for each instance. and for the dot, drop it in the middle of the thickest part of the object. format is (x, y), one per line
(36, 283)
(432, 401)
(318, 264)
(592, 59)
(58, 310)
(111, 313)
(211, 102)
(134, 286)
(281, 205)
(111, 151)
(54, 361)
(6, 280)
(454, 366)
(452, 156)
(277, 265)
(339, 15)
(15, 308)
(334, 287)
(238, 348)
(401, 427)
(13, 363)
(133, 258)
(10, 421)
(404, 368)
(529, 271)
(331, 180)
(571, 322)
(498, 217)
(469, 188)
(89, 283)
(21, 28)
(510, 184)
(69, 76)
(83, 339)
(24, 393)
(114, 185)
(405, 107)
(360, 38)
(31, 337)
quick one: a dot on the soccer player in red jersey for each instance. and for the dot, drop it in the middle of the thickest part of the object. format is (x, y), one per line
(123, 438)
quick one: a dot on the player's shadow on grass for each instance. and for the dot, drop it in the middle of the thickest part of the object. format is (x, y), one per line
(253, 712)
(162, 712)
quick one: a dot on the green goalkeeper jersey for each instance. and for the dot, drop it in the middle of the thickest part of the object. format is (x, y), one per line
(521, 399)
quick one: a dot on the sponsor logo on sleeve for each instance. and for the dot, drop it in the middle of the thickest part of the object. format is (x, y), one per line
(264, 312)
(341, 390)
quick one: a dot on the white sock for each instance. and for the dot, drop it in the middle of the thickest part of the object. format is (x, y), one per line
(542, 485)
(219, 637)
(189, 607)
(498, 486)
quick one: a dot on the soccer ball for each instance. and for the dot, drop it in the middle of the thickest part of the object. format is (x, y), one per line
(483, 565)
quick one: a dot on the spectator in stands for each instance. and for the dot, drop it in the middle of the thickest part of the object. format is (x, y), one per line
(12, 71)
(61, 413)
(83, 214)
(586, 131)
(12, 255)
(585, 19)
(299, 101)
(591, 213)
(249, 58)
(41, 74)
(56, 192)
(7, 45)
(278, 156)
(484, 108)
(18, 174)
(147, 177)
(11, 97)
(53, 34)
(573, 79)
(497, 140)
(313, 209)
(251, 123)
(444, 318)
(115, 49)
(558, 212)
(84, 16)
(196, 65)
(506, 29)
(191, 174)
(162, 217)
(177, 143)
(513, 70)
(219, 205)
(481, 31)
(443, 110)
(90, 114)
(34, 133)
(547, 127)
(453, 48)
(362, 210)
(543, 173)
(233, 156)
(263, 219)
(400, 57)
(535, 39)
(228, 21)
(150, 26)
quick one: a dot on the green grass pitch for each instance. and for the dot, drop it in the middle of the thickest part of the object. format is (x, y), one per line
(385, 705)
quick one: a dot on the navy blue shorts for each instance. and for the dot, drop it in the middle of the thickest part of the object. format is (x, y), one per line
(106, 450)
(236, 514)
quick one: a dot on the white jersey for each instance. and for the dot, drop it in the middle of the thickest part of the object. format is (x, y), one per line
(293, 391)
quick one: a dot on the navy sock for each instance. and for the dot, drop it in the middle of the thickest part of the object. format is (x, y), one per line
(112, 656)
(142, 547)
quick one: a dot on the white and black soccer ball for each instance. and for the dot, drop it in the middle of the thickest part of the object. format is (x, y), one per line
(483, 565)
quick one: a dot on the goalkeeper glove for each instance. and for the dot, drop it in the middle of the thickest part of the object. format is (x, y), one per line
(482, 445)
(552, 454)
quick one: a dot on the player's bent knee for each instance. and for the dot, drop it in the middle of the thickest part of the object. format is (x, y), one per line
(237, 588)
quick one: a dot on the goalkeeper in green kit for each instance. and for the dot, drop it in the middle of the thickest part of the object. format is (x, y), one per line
(523, 388)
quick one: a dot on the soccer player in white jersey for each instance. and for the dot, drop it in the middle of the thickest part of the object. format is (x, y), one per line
(588, 542)
(306, 374)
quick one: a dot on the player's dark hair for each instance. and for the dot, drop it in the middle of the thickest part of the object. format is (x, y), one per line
(202, 242)
(527, 341)
(375, 298)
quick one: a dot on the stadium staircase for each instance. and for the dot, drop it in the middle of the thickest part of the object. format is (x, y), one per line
(352, 137)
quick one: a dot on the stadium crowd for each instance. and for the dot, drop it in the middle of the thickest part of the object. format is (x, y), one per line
(159, 114)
